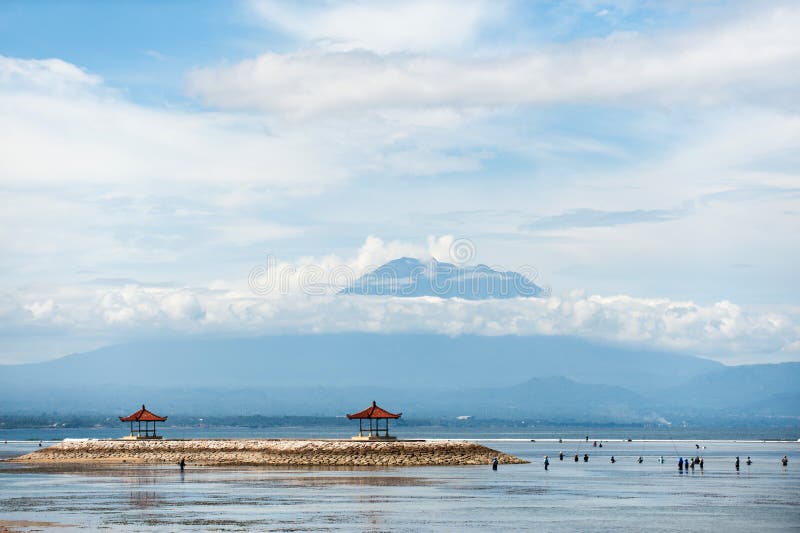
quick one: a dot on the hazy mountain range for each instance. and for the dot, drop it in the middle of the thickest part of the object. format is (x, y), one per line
(549, 378)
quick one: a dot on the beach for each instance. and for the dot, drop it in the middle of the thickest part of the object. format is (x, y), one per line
(593, 496)
(270, 452)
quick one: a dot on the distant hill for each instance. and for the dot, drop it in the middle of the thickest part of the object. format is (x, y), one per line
(411, 277)
(355, 359)
(544, 378)
(774, 387)
(549, 398)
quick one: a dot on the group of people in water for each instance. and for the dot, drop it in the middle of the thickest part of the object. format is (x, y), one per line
(684, 465)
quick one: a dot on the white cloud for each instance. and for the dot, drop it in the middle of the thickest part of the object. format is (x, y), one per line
(706, 66)
(123, 182)
(246, 232)
(94, 136)
(52, 75)
(383, 26)
(720, 330)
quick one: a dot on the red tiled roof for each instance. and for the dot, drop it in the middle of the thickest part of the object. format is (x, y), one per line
(374, 412)
(142, 415)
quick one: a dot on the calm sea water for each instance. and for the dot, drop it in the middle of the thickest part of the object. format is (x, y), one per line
(596, 496)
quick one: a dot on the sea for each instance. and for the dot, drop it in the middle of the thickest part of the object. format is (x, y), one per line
(570, 496)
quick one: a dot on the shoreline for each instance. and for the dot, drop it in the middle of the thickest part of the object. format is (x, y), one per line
(268, 452)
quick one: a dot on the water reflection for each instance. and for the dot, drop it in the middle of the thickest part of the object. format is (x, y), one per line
(145, 499)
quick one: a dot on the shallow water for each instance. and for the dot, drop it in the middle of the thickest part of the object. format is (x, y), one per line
(594, 496)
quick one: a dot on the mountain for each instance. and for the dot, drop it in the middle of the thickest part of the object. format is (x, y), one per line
(550, 398)
(400, 361)
(411, 277)
(514, 378)
(750, 388)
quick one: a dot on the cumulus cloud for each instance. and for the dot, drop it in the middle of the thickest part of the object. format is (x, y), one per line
(382, 26)
(126, 182)
(95, 136)
(720, 330)
(44, 74)
(707, 65)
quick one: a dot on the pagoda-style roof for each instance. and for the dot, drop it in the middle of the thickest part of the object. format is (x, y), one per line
(374, 412)
(143, 415)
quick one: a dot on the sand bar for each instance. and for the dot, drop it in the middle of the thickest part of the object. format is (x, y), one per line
(254, 452)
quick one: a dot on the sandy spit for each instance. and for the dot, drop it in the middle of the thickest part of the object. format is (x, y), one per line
(232, 452)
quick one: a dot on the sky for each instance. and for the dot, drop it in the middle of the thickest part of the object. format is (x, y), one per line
(640, 160)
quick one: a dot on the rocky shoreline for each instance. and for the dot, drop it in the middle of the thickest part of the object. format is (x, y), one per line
(274, 452)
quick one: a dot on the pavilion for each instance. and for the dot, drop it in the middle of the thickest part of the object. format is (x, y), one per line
(377, 414)
(143, 415)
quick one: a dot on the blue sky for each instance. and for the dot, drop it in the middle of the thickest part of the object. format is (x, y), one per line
(641, 156)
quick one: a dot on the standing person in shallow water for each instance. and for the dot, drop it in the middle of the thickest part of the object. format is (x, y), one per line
(749, 461)
(182, 464)
(546, 462)
(701, 463)
(576, 457)
(613, 460)
(680, 464)
(586, 458)
(785, 461)
(560, 456)
(737, 463)
(495, 462)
